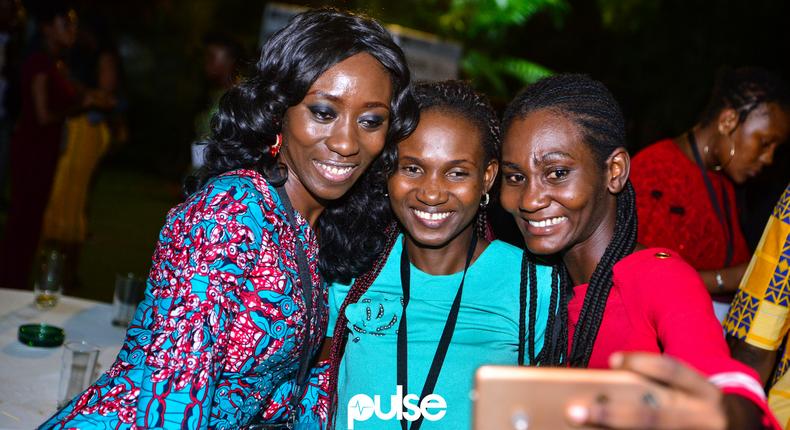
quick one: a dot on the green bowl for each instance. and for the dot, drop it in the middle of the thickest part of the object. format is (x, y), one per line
(41, 335)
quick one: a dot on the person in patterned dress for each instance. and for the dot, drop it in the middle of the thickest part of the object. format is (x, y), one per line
(759, 318)
(224, 326)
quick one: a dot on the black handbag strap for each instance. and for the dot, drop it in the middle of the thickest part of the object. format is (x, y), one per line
(306, 280)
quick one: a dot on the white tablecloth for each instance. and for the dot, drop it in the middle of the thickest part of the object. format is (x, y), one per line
(29, 376)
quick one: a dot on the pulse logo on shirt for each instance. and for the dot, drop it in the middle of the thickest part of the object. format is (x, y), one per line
(361, 407)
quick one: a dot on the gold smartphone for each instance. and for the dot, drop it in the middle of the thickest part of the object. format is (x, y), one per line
(535, 398)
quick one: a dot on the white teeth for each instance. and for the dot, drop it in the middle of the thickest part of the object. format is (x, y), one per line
(547, 222)
(431, 216)
(335, 170)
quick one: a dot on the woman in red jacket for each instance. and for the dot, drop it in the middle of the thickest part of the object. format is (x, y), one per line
(684, 186)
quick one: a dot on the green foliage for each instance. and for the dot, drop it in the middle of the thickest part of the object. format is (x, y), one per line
(483, 27)
(627, 15)
(492, 18)
(491, 73)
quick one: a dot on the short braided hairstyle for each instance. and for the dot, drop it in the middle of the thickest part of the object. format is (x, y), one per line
(455, 97)
(460, 98)
(592, 108)
(744, 89)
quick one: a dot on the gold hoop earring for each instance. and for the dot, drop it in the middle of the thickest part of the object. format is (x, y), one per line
(732, 155)
(718, 167)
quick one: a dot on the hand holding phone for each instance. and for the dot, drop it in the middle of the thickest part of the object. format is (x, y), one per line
(644, 391)
(532, 398)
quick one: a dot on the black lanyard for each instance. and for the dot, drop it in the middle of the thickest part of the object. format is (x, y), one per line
(444, 340)
(306, 280)
(723, 210)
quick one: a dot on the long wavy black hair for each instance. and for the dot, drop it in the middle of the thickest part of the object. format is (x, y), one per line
(592, 108)
(250, 116)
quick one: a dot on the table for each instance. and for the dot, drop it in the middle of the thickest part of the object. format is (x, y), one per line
(29, 376)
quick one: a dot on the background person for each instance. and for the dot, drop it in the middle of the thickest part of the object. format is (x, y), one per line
(48, 95)
(87, 138)
(565, 172)
(235, 306)
(759, 318)
(684, 186)
(221, 61)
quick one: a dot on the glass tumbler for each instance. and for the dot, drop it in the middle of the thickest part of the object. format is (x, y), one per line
(77, 369)
(48, 282)
(129, 291)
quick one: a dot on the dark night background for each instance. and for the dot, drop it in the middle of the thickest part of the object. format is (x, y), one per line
(659, 58)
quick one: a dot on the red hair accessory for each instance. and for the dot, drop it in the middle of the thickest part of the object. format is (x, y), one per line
(275, 148)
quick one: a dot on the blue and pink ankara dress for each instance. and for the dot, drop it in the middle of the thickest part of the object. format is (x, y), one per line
(216, 343)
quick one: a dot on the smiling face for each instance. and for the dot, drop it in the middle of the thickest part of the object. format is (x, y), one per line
(754, 140)
(338, 129)
(555, 187)
(440, 177)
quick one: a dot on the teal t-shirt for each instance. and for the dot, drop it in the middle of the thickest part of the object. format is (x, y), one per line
(486, 333)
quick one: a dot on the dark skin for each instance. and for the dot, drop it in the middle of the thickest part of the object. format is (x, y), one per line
(564, 202)
(741, 150)
(436, 189)
(441, 168)
(558, 179)
(761, 360)
(333, 135)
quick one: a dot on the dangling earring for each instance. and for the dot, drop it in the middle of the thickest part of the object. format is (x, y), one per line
(718, 167)
(732, 154)
(486, 199)
(275, 148)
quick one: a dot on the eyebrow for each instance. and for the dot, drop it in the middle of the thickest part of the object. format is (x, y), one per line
(453, 162)
(511, 165)
(554, 155)
(337, 99)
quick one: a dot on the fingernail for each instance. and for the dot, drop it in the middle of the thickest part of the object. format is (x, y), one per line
(577, 413)
(616, 360)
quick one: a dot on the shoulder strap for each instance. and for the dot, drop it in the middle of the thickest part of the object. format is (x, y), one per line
(305, 278)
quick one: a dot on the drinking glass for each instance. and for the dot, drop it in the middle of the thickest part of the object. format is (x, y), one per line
(48, 282)
(129, 291)
(77, 370)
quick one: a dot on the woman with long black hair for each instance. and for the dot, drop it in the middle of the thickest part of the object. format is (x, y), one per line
(235, 308)
(565, 172)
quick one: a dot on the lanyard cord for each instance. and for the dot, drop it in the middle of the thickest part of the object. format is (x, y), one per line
(305, 278)
(722, 213)
(444, 340)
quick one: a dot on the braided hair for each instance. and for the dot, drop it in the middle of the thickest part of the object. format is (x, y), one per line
(459, 98)
(744, 89)
(456, 97)
(592, 108)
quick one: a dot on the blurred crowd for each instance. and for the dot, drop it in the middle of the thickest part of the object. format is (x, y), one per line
(62, 109)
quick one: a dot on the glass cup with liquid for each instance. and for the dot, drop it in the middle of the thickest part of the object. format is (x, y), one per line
(48, 282)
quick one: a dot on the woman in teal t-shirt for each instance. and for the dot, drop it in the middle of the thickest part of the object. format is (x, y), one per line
(451, 282)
